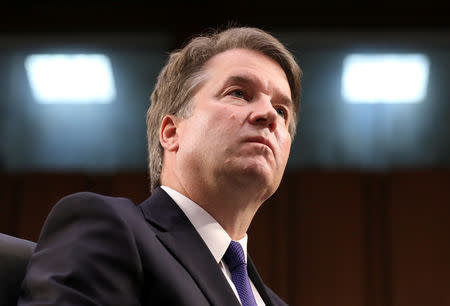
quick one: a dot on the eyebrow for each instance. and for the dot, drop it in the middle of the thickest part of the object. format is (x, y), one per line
(249, 80)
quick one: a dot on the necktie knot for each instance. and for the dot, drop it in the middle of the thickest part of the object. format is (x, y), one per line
(234, 256)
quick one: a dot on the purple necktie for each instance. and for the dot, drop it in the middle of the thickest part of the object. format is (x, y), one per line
(235, 259)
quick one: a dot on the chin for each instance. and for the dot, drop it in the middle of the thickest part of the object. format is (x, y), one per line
(250, 171)
(256, 173)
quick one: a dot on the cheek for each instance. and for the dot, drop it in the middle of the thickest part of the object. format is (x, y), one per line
(222, 121)
(285, 145)
(191, 133)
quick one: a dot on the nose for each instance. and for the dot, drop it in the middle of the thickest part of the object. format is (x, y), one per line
(264, 114)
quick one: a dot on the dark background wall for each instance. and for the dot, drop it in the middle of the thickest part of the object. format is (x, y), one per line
(363, 214)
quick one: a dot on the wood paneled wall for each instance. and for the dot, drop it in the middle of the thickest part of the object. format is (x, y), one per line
(324, 238)
(419, 221)
(27, 199)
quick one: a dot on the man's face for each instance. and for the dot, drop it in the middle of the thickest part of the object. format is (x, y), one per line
(238, 130)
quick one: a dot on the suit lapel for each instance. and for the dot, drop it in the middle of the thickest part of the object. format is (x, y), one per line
(180, 237)
(257, 281)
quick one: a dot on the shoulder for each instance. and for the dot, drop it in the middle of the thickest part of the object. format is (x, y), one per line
(93, 200)
(89, 248)
(84, 208)
(92, 203)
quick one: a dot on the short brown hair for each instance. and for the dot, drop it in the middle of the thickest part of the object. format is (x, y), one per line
(183, 74)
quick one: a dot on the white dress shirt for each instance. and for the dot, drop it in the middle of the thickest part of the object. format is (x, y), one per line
(215, 237)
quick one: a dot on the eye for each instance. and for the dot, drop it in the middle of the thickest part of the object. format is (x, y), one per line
(281, 111)
(237, 93)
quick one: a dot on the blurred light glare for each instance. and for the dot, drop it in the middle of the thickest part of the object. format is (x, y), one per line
(385, 78)
(70, 78)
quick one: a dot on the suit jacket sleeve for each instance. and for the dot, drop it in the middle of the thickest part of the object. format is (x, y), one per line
(86, 255)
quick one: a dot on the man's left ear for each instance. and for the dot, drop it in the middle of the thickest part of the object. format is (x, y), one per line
(168, 136)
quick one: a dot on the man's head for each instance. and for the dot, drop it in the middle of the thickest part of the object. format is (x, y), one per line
(184, 75)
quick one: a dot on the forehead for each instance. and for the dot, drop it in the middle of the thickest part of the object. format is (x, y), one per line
(234, 63)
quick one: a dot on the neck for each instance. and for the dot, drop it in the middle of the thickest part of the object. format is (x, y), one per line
(232, 208)
(234, 214)
(231, 202)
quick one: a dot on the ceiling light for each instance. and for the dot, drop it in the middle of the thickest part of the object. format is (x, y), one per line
(70, 78)
(385, 78)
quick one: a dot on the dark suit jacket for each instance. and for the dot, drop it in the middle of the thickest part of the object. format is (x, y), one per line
(98, 250)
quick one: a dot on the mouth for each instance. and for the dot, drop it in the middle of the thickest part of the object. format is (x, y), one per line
(261, 140)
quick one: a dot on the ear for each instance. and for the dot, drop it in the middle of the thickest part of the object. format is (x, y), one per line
(168, 136)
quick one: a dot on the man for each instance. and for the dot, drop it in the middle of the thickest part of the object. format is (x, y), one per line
(220, 126)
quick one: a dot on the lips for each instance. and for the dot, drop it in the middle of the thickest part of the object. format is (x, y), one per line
(261, 140)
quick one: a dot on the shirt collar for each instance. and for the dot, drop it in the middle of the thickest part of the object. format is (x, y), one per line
(215, 237)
